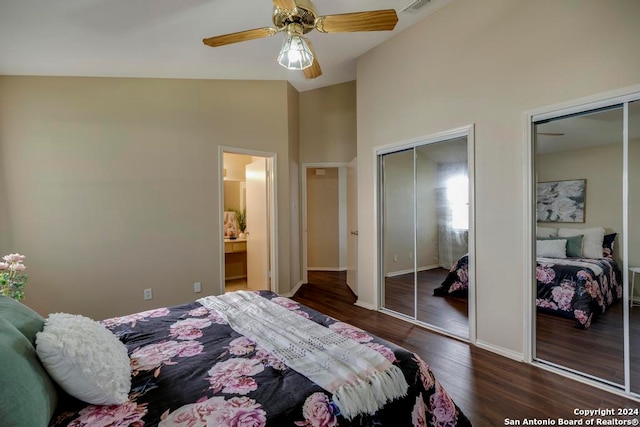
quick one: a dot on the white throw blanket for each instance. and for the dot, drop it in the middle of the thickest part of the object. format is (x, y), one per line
(360, 379)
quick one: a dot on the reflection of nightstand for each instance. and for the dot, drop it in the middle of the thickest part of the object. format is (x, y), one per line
(633, 271)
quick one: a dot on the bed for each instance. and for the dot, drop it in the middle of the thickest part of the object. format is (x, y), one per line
(191, 367)
(569, 283)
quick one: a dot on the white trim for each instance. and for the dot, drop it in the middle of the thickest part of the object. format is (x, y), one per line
(625, 247)
(605, 99)
(401, 272)
(529, 231)
(422, 140)
(303, 204)
(273, 218)
(365, 305)
(470, 133)
(500, 350)
(342, 215)
(327, 268)
(235, 277)
(293, 291)
(467, 131)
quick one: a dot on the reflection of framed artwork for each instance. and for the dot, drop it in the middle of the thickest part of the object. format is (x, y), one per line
(561, 201)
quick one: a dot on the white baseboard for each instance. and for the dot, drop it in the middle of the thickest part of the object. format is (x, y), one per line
(326, 268)
(235, 277)
(401, 272)
(294, 290)
(365, 305)
(501, 351)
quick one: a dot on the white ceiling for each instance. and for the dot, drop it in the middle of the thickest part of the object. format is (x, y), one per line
(587, 130)
(163, 38)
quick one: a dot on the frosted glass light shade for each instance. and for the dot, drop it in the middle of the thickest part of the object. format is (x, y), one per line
(295, 53)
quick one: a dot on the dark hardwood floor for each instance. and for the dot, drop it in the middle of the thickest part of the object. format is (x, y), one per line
(487, 387)
(448, 313)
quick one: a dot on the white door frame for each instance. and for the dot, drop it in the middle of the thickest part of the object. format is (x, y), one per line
(273, 209)
(304, 167)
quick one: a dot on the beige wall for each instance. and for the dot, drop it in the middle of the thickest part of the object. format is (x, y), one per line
(328, 124)
(323, 243)
(601, 166)
(486, 63)
(113, 184)
(293, 260)
(399, 228)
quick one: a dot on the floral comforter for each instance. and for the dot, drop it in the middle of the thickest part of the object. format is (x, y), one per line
(578, 288)
(192, 369)
(457, 281)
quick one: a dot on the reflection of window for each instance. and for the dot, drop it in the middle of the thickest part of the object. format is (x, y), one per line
(458, 201)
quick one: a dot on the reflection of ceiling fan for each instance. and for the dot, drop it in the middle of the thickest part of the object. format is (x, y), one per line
(298, 17)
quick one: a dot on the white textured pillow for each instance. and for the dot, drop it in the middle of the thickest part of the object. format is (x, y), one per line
(592, 241)
(546, 232)
(85, 359)
(551, 248)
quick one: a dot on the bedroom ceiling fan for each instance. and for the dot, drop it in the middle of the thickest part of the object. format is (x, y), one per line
(298, 17)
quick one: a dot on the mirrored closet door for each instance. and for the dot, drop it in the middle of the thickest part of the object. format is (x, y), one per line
(587, 242)
(424, 233)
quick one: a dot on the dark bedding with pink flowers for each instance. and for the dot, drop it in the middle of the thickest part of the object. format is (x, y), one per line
(578, 288)
(575, 288)
(190, 368)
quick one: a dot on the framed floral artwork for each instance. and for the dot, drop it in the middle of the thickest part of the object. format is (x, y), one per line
(561, 201)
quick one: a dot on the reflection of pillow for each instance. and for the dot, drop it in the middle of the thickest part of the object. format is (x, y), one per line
(28, 396)
(552, 248)
(85, 359)
(574, 244)
(546, 231)
(593, 238)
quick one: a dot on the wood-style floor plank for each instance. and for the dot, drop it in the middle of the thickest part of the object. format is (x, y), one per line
(487, 387)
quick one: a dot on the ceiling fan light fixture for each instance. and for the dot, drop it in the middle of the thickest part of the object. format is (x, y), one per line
(295, 53)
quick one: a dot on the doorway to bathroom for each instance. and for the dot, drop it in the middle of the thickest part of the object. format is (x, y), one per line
(247, 211)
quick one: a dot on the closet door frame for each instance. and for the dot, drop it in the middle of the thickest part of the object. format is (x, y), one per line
(467, 132)
(623, 97)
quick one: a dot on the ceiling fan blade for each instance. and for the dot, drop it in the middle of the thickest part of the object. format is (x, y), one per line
(241, 36)
(284, 4)
(375, 20)
(315, 70)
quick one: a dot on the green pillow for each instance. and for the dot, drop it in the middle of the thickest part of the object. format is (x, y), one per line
(28, 396)
(21, 317)
(574, 244)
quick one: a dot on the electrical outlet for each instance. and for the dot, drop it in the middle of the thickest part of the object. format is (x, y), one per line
(148, 294)
(197, 287)
(395, 258)
(410, 255)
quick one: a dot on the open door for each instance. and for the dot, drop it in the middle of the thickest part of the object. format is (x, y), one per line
(257, 225)
(352, 227)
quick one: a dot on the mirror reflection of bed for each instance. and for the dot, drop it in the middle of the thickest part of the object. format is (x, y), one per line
(580, 240)
(425, 211)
